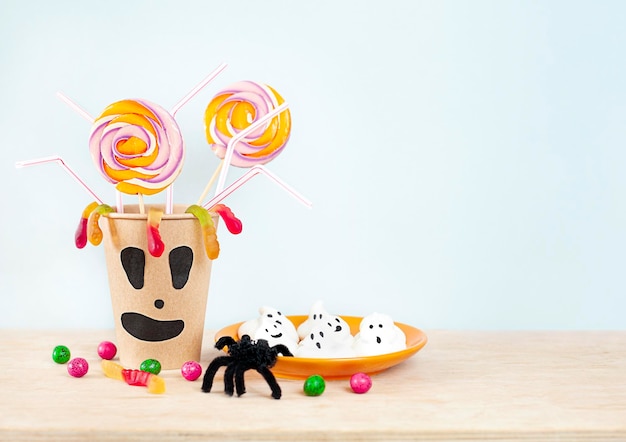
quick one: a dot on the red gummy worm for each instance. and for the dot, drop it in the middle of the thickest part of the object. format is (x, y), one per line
(80, 237)
(233, 224)
(155, 243)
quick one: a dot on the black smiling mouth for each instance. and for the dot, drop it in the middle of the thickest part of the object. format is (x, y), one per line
(152, 330)
(279, 335)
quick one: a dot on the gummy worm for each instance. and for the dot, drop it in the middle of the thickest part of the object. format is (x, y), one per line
(94, 232)
(140, 378)
(80, 237)
(209, 235)
(155, 243)
(233, 224)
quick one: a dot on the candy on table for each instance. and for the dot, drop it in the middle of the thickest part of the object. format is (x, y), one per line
(378, 335)
(155, 384)
(61, 354)
(80, 238)
(107, 350)
(211, 245)
(137, 145)
(314, 385)
(77, 367)
(94, 233)
(151, 366)
(234, 109)
(155, 243)
(191, 370)
(360, 383)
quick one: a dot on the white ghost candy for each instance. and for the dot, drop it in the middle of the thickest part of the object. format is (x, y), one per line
(338, 330)
(378, 335)
(270, 313)
(276, 332)
(324, 341)
(272, 326)
(316, 315)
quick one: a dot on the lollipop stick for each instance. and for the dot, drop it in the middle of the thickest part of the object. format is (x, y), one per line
(255, 170)
(60, 162)
(234, 140)
(142, 207)
(198, 88)
(211, 181)
(79, 110)
(118, 201)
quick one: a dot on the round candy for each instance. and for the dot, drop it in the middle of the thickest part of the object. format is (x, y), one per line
(78, 367)
(237, 107)
(138, 146)
(360, 383)
(151, 366)
(314, 385)
(191, 370)
(107, 350)
(61, 354)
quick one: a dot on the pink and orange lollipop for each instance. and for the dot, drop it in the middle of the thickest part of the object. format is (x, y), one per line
(239, 106)
(137, 146)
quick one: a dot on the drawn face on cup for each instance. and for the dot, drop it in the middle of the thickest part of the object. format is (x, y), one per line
(141, 324)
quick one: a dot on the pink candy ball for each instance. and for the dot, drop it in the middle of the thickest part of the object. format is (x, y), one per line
(360, 383)
(77, 367)
(191, 370)
(107, 350)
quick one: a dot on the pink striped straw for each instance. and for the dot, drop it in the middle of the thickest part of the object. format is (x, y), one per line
(253, 171)
(60, 162)
(209, 78)
(79, 110)
(234, 140)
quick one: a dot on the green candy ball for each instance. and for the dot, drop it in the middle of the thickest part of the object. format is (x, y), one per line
(61, 354)
(151, 366)
(314, 385)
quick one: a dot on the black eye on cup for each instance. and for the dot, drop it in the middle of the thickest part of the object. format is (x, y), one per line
(181, 260)
(134, 263)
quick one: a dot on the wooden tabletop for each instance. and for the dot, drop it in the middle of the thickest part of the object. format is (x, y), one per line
(460, 386)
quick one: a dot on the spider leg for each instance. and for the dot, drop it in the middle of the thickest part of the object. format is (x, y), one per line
(271, 381)
(215, 365)
(239, 380)
(282, 348)
(229, 378)
(225, 341)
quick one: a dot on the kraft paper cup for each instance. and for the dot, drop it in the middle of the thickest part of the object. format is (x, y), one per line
(159, 304)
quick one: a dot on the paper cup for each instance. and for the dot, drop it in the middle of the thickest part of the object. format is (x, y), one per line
(159, 304)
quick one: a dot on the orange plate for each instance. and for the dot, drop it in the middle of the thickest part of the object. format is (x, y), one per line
(339, 368)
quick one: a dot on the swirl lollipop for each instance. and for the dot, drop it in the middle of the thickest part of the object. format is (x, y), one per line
(247, 125)
(137, 146)
(237, 107)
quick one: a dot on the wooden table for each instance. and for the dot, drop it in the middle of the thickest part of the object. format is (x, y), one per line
(462, 386)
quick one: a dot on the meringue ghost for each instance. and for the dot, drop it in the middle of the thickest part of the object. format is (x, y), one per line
(272, 326)
(378, 335)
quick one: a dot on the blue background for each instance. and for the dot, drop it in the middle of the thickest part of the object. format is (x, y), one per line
(465, 159)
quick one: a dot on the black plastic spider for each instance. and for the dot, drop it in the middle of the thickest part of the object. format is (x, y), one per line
(244, 355)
